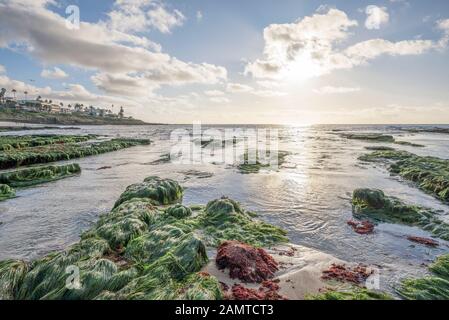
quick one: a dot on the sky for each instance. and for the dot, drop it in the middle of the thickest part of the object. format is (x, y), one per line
(289, 62)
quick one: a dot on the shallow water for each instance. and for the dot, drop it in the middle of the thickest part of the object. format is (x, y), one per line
(310, 197)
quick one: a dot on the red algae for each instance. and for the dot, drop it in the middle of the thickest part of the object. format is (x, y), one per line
(362, 227)
(343, 273)
(425, 241)
(245, 262)
(269, 291)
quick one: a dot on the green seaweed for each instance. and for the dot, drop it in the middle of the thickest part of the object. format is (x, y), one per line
(224, 219)
(9, 143)
(179, 211)
(434, 287)
(411, 144)
(37, 175)
(354, 293)
(12, 273)
(431, 174)
(6, 192)
(140, 250)
(379, 148)
(161, 191)
(375, 205)
(57, 152)
(373, 137)
(249, 167)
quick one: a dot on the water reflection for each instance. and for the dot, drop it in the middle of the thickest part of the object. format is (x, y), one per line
(309, 197)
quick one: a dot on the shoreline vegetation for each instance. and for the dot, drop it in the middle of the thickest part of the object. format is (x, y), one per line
(376, 137)
(31, 150)
(64, 119)
(150, 246)
(38, 175)
(23, 151)
(430, 174)
(25, 128)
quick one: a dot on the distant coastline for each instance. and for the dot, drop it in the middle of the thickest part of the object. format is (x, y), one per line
(65, 119)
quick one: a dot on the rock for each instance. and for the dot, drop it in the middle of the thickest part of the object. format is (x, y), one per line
(425, 241)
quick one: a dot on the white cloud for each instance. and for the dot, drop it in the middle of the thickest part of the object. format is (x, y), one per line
(55, 73)
(214, 93)
(336, 90)
(163, 20)
(376, 17)
(2, 69)
(140, 15)
(308, 48)
(238, 88)
(219, 100)
(123, 61)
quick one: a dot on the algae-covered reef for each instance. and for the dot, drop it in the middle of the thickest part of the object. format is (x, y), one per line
(6, 192)
(433, 287)
(431, 174)
(351, 294)
(64, 151)
(148, 247)
(249, 165)
(378, 137)
(37, 175)
(373, 137)
(9, 143)
(375, 205)
(25, 128)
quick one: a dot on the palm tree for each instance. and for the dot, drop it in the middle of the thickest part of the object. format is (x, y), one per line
(14, 91)
(26, 95)
(39, 98)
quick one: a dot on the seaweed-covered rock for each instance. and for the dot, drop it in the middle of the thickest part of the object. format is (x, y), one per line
(140, 251)
(373, 137)
(379, 148)
(161, 191)
(38, 175)
(245, 262)
(49, 274)
(12, 273)
(155, 243)
(6, 192)
(179, 211)
(375, 205)
(429, 173)
(56, 152)
(435, 287)
(355, 293)
(248, 167)
(9, 143)
(224, 219)
(125, 222)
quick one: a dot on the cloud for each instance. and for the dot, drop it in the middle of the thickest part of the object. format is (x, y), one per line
(214, 93)
(336, 90)
(313, 46)
(163, 20)
(55, 73)
(376, 17)
(238, 88)
(120, 59)
(140, 15)
(2, 69)
(219, 100)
